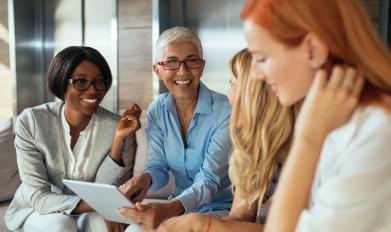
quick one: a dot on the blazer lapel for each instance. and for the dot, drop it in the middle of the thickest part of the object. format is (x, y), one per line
(55, 135)
(100, 144)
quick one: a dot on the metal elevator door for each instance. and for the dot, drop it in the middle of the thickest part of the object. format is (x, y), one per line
(41, 28)
(218, 25)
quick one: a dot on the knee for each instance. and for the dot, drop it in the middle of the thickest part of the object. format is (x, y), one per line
(62, 223)
(93, 223)
(49, 222)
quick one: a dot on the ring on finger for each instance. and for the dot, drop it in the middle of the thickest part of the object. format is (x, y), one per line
(140, 221)
(348, 82)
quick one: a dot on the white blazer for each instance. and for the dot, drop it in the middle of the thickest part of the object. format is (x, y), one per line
(39, 149)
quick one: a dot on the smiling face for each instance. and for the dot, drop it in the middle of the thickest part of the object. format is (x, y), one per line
(182, 83)
(287, 71)
(84, 103)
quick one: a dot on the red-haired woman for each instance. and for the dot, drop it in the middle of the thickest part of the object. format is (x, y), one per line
(327, 53)
(337, 175)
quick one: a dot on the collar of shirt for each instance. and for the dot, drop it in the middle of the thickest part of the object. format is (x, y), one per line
(76, 159)
(204, 102)
(67, 128)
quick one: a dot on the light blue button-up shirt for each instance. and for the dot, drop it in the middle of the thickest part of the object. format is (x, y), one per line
(201, 168)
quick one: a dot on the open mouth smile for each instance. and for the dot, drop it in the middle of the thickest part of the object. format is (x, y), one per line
(183, 82)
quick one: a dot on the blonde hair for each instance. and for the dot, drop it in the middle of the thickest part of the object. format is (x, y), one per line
(264, 137)
(347, 32)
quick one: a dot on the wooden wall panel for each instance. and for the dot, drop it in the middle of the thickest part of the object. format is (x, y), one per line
(135, 52)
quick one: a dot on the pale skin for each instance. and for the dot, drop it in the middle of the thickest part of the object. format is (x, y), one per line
(325, 98)
(78, 113)
(240, 218)
(335, 103)
(332, 96)
(186, 96)
(329, 104)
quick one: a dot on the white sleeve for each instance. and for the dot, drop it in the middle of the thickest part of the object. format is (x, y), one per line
(356, 196)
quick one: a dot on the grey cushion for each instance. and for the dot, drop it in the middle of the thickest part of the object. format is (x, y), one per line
(9, 180)
(3, 207)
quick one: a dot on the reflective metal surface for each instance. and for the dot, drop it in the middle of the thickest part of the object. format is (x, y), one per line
(41, 28)
(29, 28)
(218, 25)
(100, 32)
(385, 20)
(68, 21)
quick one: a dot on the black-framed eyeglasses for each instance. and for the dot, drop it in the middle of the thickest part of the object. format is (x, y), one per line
(84, 84)
(176, 64)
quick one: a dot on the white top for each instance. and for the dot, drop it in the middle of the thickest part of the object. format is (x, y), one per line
(352, 186)
(76, 160)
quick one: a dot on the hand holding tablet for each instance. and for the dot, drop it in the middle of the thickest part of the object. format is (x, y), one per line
(104, 198)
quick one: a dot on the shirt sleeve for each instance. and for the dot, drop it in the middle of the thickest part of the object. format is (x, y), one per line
(110, 172)
(213, 170)
(36, 187)
(356, 196)
(129, 158)
(157, 165)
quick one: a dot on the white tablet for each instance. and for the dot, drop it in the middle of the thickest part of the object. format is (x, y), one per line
(104, 198)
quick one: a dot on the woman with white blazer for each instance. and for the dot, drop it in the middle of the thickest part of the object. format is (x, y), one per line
(72, 139)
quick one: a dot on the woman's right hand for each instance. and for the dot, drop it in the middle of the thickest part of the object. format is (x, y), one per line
(114, 226)
(137, 187)
(82, 207)
(329, 103)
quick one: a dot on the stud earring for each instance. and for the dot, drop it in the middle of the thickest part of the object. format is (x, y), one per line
(318, 64)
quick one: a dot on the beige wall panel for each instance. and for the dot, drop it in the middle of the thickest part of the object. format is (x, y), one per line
(135, 52)
(6, 109)
(135, 13)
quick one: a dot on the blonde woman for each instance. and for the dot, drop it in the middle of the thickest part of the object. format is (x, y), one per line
(337, 175)
(261, 145)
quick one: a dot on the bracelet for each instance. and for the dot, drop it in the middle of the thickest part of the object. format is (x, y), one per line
(209, 223)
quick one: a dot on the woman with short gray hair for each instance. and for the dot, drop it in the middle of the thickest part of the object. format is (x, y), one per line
(188, 134)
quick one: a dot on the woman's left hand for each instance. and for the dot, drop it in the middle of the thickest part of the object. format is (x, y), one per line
(128, 124)
(329, 103)
(148, 217)
(129, 121)
(187, 223)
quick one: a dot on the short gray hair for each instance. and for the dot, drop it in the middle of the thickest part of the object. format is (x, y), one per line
(176, 34)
